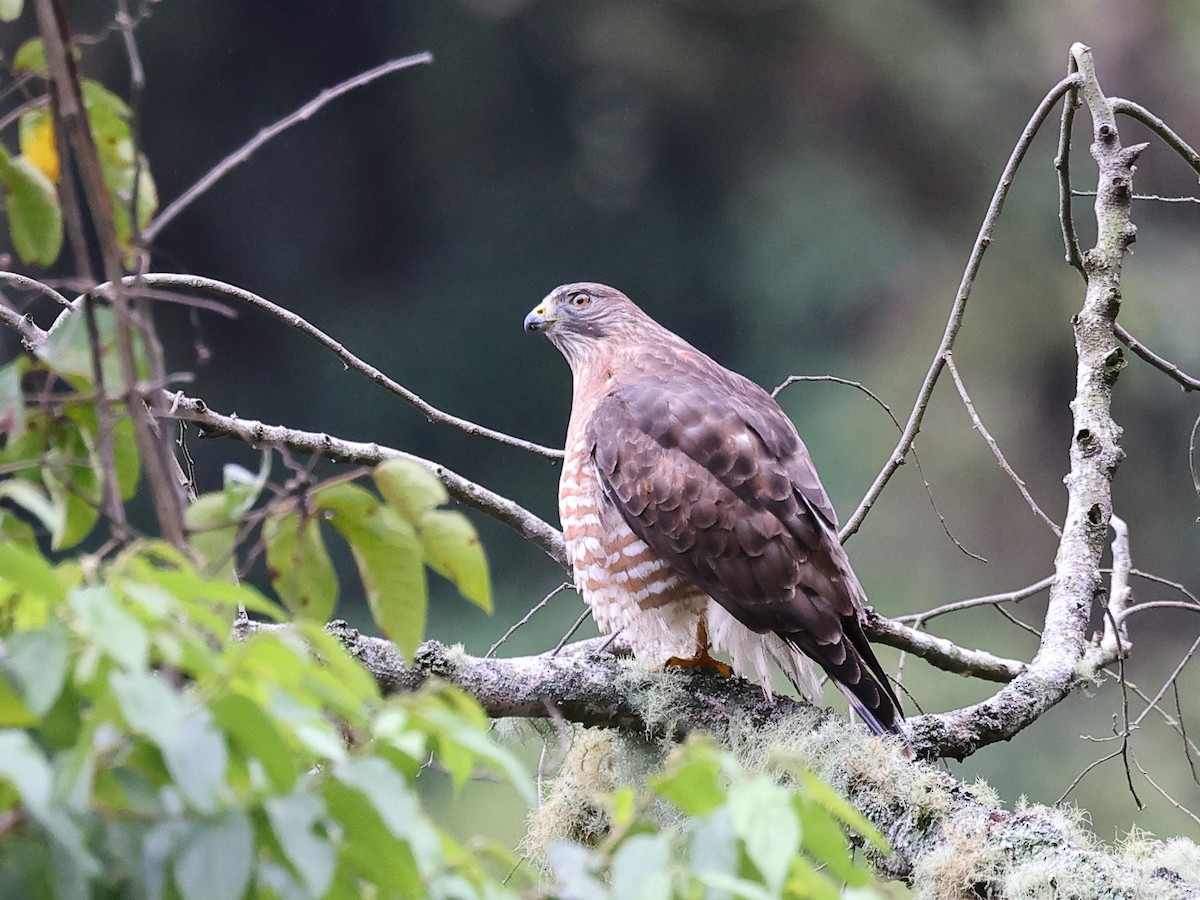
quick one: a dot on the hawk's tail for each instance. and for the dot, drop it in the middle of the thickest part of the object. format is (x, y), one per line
(852, 666)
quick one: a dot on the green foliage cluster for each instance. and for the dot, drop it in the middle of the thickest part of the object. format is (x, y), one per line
(733, 832)
(29, 178)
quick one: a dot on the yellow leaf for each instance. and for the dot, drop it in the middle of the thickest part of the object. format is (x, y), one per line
(37, 142)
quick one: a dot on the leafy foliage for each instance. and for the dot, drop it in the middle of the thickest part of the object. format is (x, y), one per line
(736, 833)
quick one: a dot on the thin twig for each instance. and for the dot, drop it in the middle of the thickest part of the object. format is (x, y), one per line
(1062, 163)
(1159, 127)
(1186, 381)
(1078, 778)
(1171, 680)
(243, 153)
(989, 600)
(957, 310)
(1153, 198)
(793, 379)
(432, 413)
(541, 604)
(991, 442)
(258, 434)
(583, 617)
(1175, 803)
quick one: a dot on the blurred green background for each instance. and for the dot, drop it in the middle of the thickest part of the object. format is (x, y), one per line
(792, 186)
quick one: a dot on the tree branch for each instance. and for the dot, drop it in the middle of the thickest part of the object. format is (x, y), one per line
(1056, 668)
(958, 309)
(921, 810)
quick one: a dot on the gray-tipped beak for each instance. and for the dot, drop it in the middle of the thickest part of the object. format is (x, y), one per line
(538, 320)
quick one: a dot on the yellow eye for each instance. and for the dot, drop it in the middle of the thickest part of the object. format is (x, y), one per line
(580, 299)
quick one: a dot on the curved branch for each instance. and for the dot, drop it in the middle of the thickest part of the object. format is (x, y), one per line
(231, 292)
(243, 153)
(957, 310)
(920, 809)
(1186, 381)
(1159, 127)
(1063, 659)
(465, 491)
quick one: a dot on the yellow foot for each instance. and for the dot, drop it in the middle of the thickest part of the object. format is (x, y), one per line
(701, 660)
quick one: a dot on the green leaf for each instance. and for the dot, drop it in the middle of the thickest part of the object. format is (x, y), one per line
(294, 819)
(409, 488)
(31, 55)
(639, 870)
(108, 116)
(243, 487)
(452, 549)
(34, 217)
(35, 136)
(36, 502)
(215, 863)
(762, 816)
(125, 457)
(213, 534)
(388, 556)
(369, 848)
(12, 402)
(110, 627)
(299, 565)
(25, 767)
(192, 749)
(256, 735)
(29, 572)
(37, 660)
(825, 841)
(691, 779)
(838, 806)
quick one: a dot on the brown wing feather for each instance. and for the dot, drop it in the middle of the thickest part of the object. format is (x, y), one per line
(711, 474)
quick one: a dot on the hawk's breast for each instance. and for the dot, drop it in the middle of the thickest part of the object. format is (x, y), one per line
(628, 587)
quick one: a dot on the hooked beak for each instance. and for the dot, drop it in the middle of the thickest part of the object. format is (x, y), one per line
(539, 320)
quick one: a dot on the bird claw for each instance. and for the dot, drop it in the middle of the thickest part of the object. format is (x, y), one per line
(702, 660)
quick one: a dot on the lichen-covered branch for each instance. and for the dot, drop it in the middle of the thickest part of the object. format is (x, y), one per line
(948, 839)
(1058, 665)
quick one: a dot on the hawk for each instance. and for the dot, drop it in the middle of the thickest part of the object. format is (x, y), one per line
(692, 512)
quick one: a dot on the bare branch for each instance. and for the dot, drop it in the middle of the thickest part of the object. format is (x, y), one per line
(1186, 381)
(468, 492)
(939, 652)
(243, 153)
(1062, 163)
(958, 309)
(991, 442)
(540, 605)
(230, 292)
(1159, 127)
(1095, 454)
(989, 600)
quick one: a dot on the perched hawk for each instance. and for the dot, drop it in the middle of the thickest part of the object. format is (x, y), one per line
(692, 513)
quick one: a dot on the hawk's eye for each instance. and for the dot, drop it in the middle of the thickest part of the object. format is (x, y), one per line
(580, 299)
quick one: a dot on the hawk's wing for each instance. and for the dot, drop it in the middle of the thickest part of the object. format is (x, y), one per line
(710, 473)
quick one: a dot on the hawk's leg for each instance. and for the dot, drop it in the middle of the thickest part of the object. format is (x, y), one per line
(701, 658)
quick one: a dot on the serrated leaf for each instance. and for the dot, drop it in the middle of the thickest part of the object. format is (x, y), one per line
(409, 488)
(388, 556)
(35, 137)
(108, 116)
(825, 841)
(31, 55)
(762, 816)
(370, 849)
(299, 565)
(34, 216)
(216, 861)
(452, 549)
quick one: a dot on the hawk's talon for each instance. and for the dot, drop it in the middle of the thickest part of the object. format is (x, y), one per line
(701, 660)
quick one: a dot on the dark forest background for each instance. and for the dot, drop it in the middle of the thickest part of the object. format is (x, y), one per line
(792, 186)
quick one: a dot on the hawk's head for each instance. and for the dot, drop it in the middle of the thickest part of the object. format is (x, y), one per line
(580, 318)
